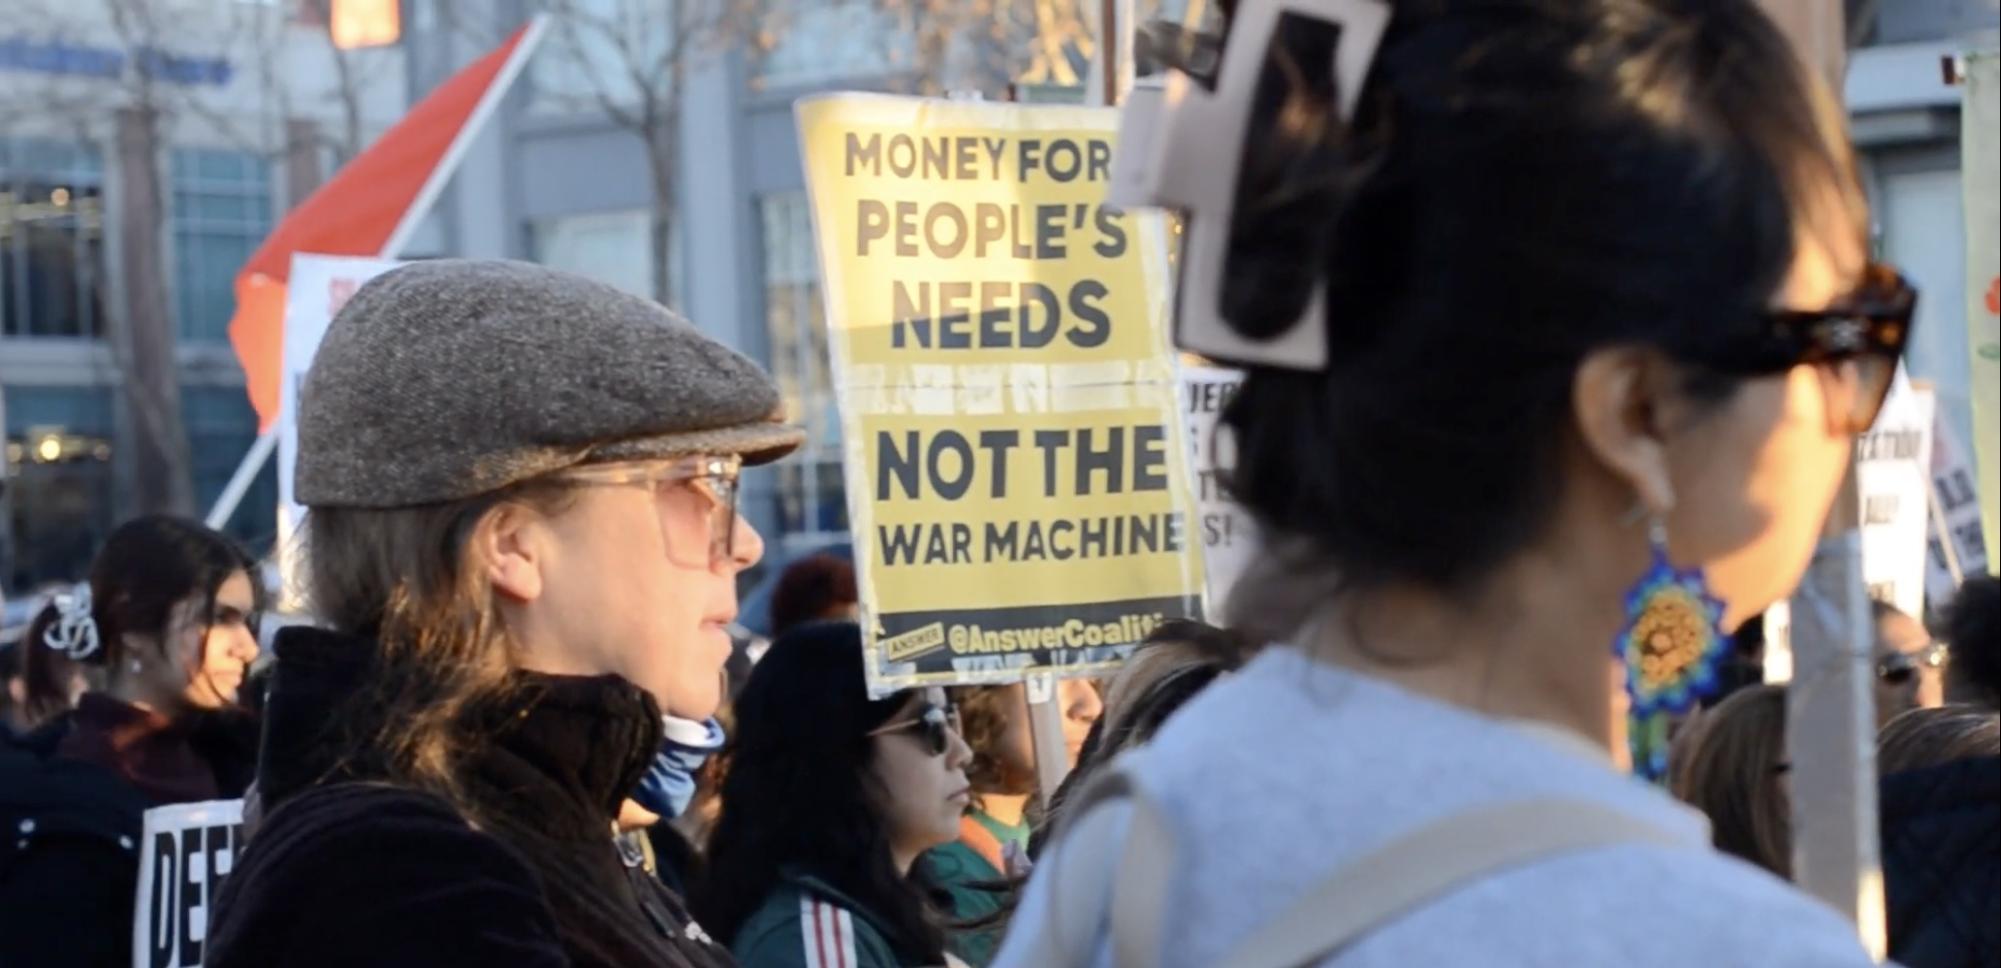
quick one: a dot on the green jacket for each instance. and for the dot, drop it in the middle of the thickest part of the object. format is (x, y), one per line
(805, 923)
(970, 871)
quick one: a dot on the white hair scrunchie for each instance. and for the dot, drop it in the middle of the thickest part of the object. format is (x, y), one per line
(75, 632)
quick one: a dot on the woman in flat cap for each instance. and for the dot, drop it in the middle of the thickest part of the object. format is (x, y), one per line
(522, 543)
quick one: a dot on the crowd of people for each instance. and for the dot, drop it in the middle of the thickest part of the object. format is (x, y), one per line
(518, 729)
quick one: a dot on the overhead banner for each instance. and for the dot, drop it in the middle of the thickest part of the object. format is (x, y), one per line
(320, 285)
(1017, 480)
(1980, 124)
(1228, 535)
(1893, 473)
(184, 854)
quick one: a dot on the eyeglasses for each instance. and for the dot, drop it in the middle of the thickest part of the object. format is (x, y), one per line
(1855, 343)
(937, 725)
(1901, 667)
(711, 479)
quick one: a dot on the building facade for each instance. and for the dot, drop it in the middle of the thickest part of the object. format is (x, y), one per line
(250, 107)
(556, 181)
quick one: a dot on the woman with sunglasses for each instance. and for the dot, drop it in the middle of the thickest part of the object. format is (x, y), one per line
(167, 626)
(1592, 281)
(1910, 667)
(830, 799)
(522, 541)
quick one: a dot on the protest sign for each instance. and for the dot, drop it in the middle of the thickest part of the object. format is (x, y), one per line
(184, 854)
(1228, 538)
(1980, 150)
(1957, 548)
(1016, 480)
(320, 285)
(1893, 473)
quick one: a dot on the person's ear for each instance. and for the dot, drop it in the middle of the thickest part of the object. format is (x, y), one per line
(513, 546)
(1619, 399)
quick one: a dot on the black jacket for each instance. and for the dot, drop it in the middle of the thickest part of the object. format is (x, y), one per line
(69, 832)
(348, 868)
(1942, 864)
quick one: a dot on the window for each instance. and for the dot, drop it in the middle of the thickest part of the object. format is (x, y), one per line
(58, 442)
(812, 499)
(365, 23)
(221, 427)
(221, 213)
(611, 247)
(51, 239)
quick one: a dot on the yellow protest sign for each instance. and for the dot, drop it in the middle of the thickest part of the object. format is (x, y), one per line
(1016, 468)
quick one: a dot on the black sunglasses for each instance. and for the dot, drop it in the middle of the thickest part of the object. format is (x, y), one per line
(935, 725)
(1855, 342)
(1900, 668)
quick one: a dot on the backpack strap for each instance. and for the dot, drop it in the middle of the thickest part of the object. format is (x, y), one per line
(1097, 882)
(1431, 862)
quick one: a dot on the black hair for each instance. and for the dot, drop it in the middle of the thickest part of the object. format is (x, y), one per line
(1973, 638)
(151, 564)
(1524, 182)
(799, 795)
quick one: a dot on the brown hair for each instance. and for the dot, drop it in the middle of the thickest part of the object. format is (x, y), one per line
(1924, 738)
(1729, 765)
(1175, 662)
(408, 578)
(810, 590)
(984, 714)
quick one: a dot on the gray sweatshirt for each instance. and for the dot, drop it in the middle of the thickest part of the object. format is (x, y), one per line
(1278, 776)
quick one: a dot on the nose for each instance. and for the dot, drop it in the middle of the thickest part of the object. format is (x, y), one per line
(747, 546)
(247, 648)
(1082, 702)
(958, 755)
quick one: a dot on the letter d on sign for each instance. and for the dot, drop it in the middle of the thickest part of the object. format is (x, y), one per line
(156, 909)
(188, 847)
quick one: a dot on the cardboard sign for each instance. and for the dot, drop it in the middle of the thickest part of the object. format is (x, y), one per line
(320, 285)
(1893, 473)
(1229, 536)
(1957, 550)
(184, 854)
(1016, 476)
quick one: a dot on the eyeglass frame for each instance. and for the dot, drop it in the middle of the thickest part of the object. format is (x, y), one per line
(935, 720)
(1872, 320)
(1910, 664)
(723, 470)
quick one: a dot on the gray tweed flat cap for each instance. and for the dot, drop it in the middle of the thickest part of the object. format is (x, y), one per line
(449, 379)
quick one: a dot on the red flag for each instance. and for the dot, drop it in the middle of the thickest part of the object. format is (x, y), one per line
(369, 208)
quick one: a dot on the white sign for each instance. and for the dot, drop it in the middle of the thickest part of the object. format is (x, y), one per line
(1955, 518)
(1893, 474)
(1228, 534)
(184, 854)
(319, 286)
